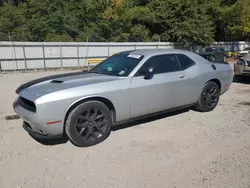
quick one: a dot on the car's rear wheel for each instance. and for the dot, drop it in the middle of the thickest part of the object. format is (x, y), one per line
(209, 97)
(88, 124)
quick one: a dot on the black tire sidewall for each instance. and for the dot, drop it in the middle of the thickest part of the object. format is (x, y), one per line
(74, 114)
(201, 105)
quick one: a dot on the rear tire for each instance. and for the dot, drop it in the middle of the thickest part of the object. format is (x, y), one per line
(209, 97)
(88, 124)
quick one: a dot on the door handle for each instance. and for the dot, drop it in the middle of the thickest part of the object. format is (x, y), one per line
(182, 76)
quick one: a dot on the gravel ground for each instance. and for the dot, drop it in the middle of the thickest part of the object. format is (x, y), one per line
(187, 149)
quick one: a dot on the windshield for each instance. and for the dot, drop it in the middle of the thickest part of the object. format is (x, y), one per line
(120, 64)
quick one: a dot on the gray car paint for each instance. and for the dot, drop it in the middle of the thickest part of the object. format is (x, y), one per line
(131, 96)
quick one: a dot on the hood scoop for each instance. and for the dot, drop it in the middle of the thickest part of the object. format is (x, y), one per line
(56, 81)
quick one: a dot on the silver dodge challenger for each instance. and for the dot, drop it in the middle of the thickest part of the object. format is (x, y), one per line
(125, 87)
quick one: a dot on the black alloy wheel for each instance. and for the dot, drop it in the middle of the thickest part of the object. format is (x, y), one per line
(209, 97)
(89, 124)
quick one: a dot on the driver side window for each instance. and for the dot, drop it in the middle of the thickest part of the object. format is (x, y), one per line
(160, 64)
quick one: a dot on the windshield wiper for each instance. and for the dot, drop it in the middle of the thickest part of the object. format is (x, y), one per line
(108, 73)
(96, 72)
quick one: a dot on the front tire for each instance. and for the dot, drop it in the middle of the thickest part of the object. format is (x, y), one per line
(209, 97)
(88, 124)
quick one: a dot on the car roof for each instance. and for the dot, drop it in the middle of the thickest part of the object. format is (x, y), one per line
(146, 52)
(152, 52)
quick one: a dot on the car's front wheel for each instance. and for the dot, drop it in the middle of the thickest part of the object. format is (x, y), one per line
(209, 97)
(88, 123)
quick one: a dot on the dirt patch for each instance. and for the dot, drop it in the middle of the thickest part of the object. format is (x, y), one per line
(246, 91)
(190, 149)
(244, 103)
(12, 117)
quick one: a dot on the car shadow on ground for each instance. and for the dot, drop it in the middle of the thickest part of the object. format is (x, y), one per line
(51, 142)
(63, 140)
(241, 80)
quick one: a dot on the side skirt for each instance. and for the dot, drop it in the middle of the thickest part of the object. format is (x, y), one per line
(154, 114)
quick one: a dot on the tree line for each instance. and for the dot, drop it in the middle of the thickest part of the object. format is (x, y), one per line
(189, 21)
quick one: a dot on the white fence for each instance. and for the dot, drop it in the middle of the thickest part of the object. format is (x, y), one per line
(36, 55)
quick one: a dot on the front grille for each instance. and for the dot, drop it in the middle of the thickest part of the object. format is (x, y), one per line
(26, 104)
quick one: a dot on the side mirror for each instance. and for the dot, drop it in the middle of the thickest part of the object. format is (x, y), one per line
(148, 74)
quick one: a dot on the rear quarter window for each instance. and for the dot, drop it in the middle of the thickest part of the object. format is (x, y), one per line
(185, 61)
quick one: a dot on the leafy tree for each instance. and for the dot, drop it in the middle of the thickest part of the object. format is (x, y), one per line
(182, 21)
(236, 19)
(11, 21)
(188, 21)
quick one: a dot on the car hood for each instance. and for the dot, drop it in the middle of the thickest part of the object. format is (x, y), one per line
(55, 83)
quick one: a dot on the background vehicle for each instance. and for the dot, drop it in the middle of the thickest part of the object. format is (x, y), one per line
(214, 54)
(233, 51)
(245, 51)
(124, 87)
(242, 66)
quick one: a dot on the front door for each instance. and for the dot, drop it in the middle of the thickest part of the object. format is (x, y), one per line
(162, 91)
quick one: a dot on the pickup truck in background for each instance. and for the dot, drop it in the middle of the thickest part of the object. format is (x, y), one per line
(214, 54)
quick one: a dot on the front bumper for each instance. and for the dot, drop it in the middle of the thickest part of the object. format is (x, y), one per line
(38, 122)
(39, 135)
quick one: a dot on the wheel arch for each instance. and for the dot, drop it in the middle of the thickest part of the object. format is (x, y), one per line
(216, 80)
(102, 99)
